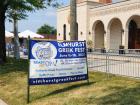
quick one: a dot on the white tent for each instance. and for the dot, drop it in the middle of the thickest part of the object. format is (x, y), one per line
(27, 33)
(9, 34)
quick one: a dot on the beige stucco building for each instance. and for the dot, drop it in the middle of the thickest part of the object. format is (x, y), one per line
(109, 25)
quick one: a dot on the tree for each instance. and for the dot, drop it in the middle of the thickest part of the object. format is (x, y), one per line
(15, 13)
(16, 39)
(46, 29)
(14, 16)
(73, 21)
(23, 6)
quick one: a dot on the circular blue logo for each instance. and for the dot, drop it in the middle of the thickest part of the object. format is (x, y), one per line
(44, 50)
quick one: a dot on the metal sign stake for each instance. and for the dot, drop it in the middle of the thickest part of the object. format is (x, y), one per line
(28, 74)
(87, 64)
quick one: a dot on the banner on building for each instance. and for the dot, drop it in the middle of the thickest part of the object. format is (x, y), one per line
(53, 62)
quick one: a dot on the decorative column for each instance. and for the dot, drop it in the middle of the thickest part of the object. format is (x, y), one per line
(125, 38)
(105, 40)
(108, 40)
(93, 38)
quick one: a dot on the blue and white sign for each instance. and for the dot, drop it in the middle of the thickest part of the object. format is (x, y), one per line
(53, 62)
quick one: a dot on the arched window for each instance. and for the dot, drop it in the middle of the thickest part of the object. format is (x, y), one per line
(64, 31)
(77, 31)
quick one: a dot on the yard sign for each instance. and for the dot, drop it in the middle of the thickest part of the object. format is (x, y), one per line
(54, 62)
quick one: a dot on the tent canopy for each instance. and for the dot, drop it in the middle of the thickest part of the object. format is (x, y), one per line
(8, 34)
(28, 33)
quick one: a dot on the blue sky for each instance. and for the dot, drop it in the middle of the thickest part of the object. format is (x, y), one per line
(37, 19)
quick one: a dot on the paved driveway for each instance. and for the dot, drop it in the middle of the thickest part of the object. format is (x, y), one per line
(2, 102)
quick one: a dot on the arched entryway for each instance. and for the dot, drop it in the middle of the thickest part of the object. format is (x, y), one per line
(99, 34)
(115, 29)
(133, 26)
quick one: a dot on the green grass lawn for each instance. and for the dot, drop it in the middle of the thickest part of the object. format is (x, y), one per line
(100, 91)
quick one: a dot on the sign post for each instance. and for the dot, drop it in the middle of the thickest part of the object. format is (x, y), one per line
(28, 85)
(54, 62)
(87, 63)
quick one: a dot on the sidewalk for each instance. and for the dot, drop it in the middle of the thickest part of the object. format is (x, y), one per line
(2, 103)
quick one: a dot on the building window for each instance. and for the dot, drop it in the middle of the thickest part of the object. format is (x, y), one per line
(77, 31)
(64, 31)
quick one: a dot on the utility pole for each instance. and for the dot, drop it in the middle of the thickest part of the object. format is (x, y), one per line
(73, 20)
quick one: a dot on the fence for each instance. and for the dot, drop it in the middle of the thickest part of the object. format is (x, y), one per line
(23, 52)
(120, 62)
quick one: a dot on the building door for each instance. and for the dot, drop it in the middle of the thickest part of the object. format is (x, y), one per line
(132, 34)
(137, 40)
